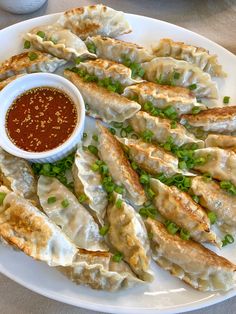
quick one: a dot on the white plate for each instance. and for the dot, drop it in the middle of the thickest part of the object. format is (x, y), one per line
(166, 294)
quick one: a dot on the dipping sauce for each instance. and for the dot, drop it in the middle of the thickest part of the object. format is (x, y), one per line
(41, 119)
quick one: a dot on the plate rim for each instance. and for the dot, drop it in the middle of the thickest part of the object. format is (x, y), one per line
(111, 308)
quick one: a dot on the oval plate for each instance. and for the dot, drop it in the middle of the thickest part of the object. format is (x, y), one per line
(166, 294)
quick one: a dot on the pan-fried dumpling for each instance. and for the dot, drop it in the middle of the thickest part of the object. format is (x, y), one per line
(88, 182)
(162, 130)
(116, 50)
(110, 151)
(17, 175)
(214, 199)
(63, 208)
(163, 96)
(163, 69)
(222, 141)
(60, 42)
(190, 261)
(217, 120)
(7, 81)
(29, 62)
(151, 158)
(95, 19)
(127, 234)
(219, 163)
(195, 55)
(103, 104)
(99, 271)
(179, 207)
(102, 69)
(28, 229)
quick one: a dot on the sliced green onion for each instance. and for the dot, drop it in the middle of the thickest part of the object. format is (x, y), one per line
(65, 203)
(123, 132)
(144, 179)
(196, 110)
(195, 198)
(226, 99)
(207, 177)
(119, 189)
(82, 198)
(78, 60)
(192, 86)
(91, 47)
(117, 125)
(85, 135)
(150, 193)
(200, 161)
(87, 107)
(173, 124)
(212, 217)
(2, 197)
(119, 203)
(95, 137)
(52, 200)
(182, 165)
(117, 257)
(228, 186)
(147, 135)
(103, 230)
(27, 44)
(32, 56)
(171, 227)
(93, 149)
(41, 34)
(148, 212)
(228, 239)
(134, 165)
(103, 169)
(176, 75)
(95, 167)
(184, 234)
(53, 40)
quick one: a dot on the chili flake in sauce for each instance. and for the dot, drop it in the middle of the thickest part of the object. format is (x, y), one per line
(41, 119)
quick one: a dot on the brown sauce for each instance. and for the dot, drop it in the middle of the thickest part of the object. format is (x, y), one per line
(41, 119)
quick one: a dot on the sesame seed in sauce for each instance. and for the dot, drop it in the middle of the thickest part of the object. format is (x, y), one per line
(48, 119)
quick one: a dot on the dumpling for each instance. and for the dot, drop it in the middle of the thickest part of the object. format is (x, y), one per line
(17, 175)
(195, 55)
(7, 81)
(222, 141)
(99, 271)
(103, 104)
(219, 163)
(63, 208)
(110, 151)
(128, 235)
(151, 158)
(163, 69)
(88, 182)
(214, 199)
(163, 96)
(60, 42)
(95, 19)
(117, 50)
(102, 69)
(28, 229)
(217, 120)
(179, 207)
(189, 261)
(162, 130)
(29, 62)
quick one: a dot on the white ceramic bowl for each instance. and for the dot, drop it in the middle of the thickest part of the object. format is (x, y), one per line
(21, 6)
(21, 85)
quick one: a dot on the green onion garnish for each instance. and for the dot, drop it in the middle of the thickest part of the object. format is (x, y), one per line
(2, 197)
(95, 137)
(176, 75)
(228, 186)
(117, 125)
(117, 257)
(82, 198)
(147, 135)
(192, 86)
(150, 193)
(173, 124)
(184, 234)
(32, 56)
(27, 44)
(103, 230)
(144, 179)
(119, 203)
(171, 227)
(195, 198)
(196, 110)
(148, 212)
(78, 60)
(226, 99)
(41, 34)
(65, 203)
(52, 200)
(228, 239)
(134, 165)
(212, 217)
(113, 131)
(85, 135)
(119, 189)
(93, 149)
(91, 47)
(87, 107)
(95, 167)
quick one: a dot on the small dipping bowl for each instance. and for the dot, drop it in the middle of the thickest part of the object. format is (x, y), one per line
(30, 81)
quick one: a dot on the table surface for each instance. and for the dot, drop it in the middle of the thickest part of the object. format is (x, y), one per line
(215, 19)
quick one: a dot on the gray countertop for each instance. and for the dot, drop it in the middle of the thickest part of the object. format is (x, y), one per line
(215, 19)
